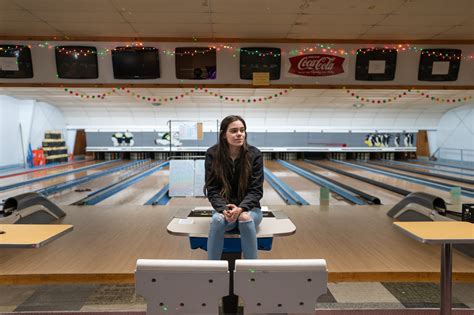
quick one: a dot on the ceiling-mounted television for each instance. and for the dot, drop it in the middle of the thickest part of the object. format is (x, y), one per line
(15, 62)
(376, 64)
(439, 64)
(196, 63)
(260, 59)
(136, 63)
(76, 62)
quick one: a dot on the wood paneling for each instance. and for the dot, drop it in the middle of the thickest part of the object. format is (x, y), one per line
(422, 146)
(80, 143)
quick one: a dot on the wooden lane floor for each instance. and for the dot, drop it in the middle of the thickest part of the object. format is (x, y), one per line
(413, 167)
(79, 192)
(140, 192)
(305, 188)
(404, 184)
(271, 197)
(385, 196)
(420, 176)
(56, 180)
(359, 244)
(45, 172)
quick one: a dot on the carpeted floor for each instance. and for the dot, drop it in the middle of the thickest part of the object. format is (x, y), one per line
(340, 296)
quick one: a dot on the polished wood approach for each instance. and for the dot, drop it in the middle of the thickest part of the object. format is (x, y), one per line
(359, 243)
(31, 235)
(438, 232)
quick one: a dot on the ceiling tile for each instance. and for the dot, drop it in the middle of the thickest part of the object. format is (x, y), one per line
(167, 18)
(343, 19)
(65, 5)
(79, 16)
(17, 16)
(178, 6)
(423, 20)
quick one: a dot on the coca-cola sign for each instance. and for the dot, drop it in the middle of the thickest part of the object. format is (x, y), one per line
(316, 65)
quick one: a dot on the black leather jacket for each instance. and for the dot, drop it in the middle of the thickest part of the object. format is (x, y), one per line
(255, 186)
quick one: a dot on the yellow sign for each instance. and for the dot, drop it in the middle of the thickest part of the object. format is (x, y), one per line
(261, 78)
(200, 133)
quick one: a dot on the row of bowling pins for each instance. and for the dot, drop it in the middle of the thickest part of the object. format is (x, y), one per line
(132, 169)
(362, 156)
(267, 156)
(337, 156)
(160, 156)
(387, 155)
(187, 155)
(139, 155)
(108, 156)
(286, 156)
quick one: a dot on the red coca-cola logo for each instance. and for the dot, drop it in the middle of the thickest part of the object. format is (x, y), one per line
(316, 65)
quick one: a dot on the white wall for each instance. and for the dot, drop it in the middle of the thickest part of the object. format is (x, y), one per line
(258, 119)
(455, 134)
(45, 117)
(10, 145)
(34, 117)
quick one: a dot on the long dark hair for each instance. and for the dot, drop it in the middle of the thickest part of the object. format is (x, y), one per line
(221, 167)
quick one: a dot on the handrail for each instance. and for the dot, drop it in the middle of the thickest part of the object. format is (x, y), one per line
(437, 154)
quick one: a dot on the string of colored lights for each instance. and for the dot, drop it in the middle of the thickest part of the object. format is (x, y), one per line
(154, 99)
(376, 101)
(85, 95)
(324, 48)
(404, 93)
(141, 97)
(443, 100)
(159, 100)
(244, 100)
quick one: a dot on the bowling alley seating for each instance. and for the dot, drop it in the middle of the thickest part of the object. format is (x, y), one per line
(195, 286)
(182, 286)
(280, 285)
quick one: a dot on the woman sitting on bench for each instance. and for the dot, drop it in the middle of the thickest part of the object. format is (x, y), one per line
(234, 186)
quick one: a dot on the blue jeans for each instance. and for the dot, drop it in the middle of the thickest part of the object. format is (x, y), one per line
(248, 234)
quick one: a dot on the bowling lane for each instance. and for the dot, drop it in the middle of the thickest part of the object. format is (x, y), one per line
(410, 186)
(190, 202)
(442, 167)
(439, 169)
(28, 170)
(45, 172)
(55, 181)
(141, 191)
(385, 196)
(270, 197)
(419, 176)
(77, 193)
(305, 188)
